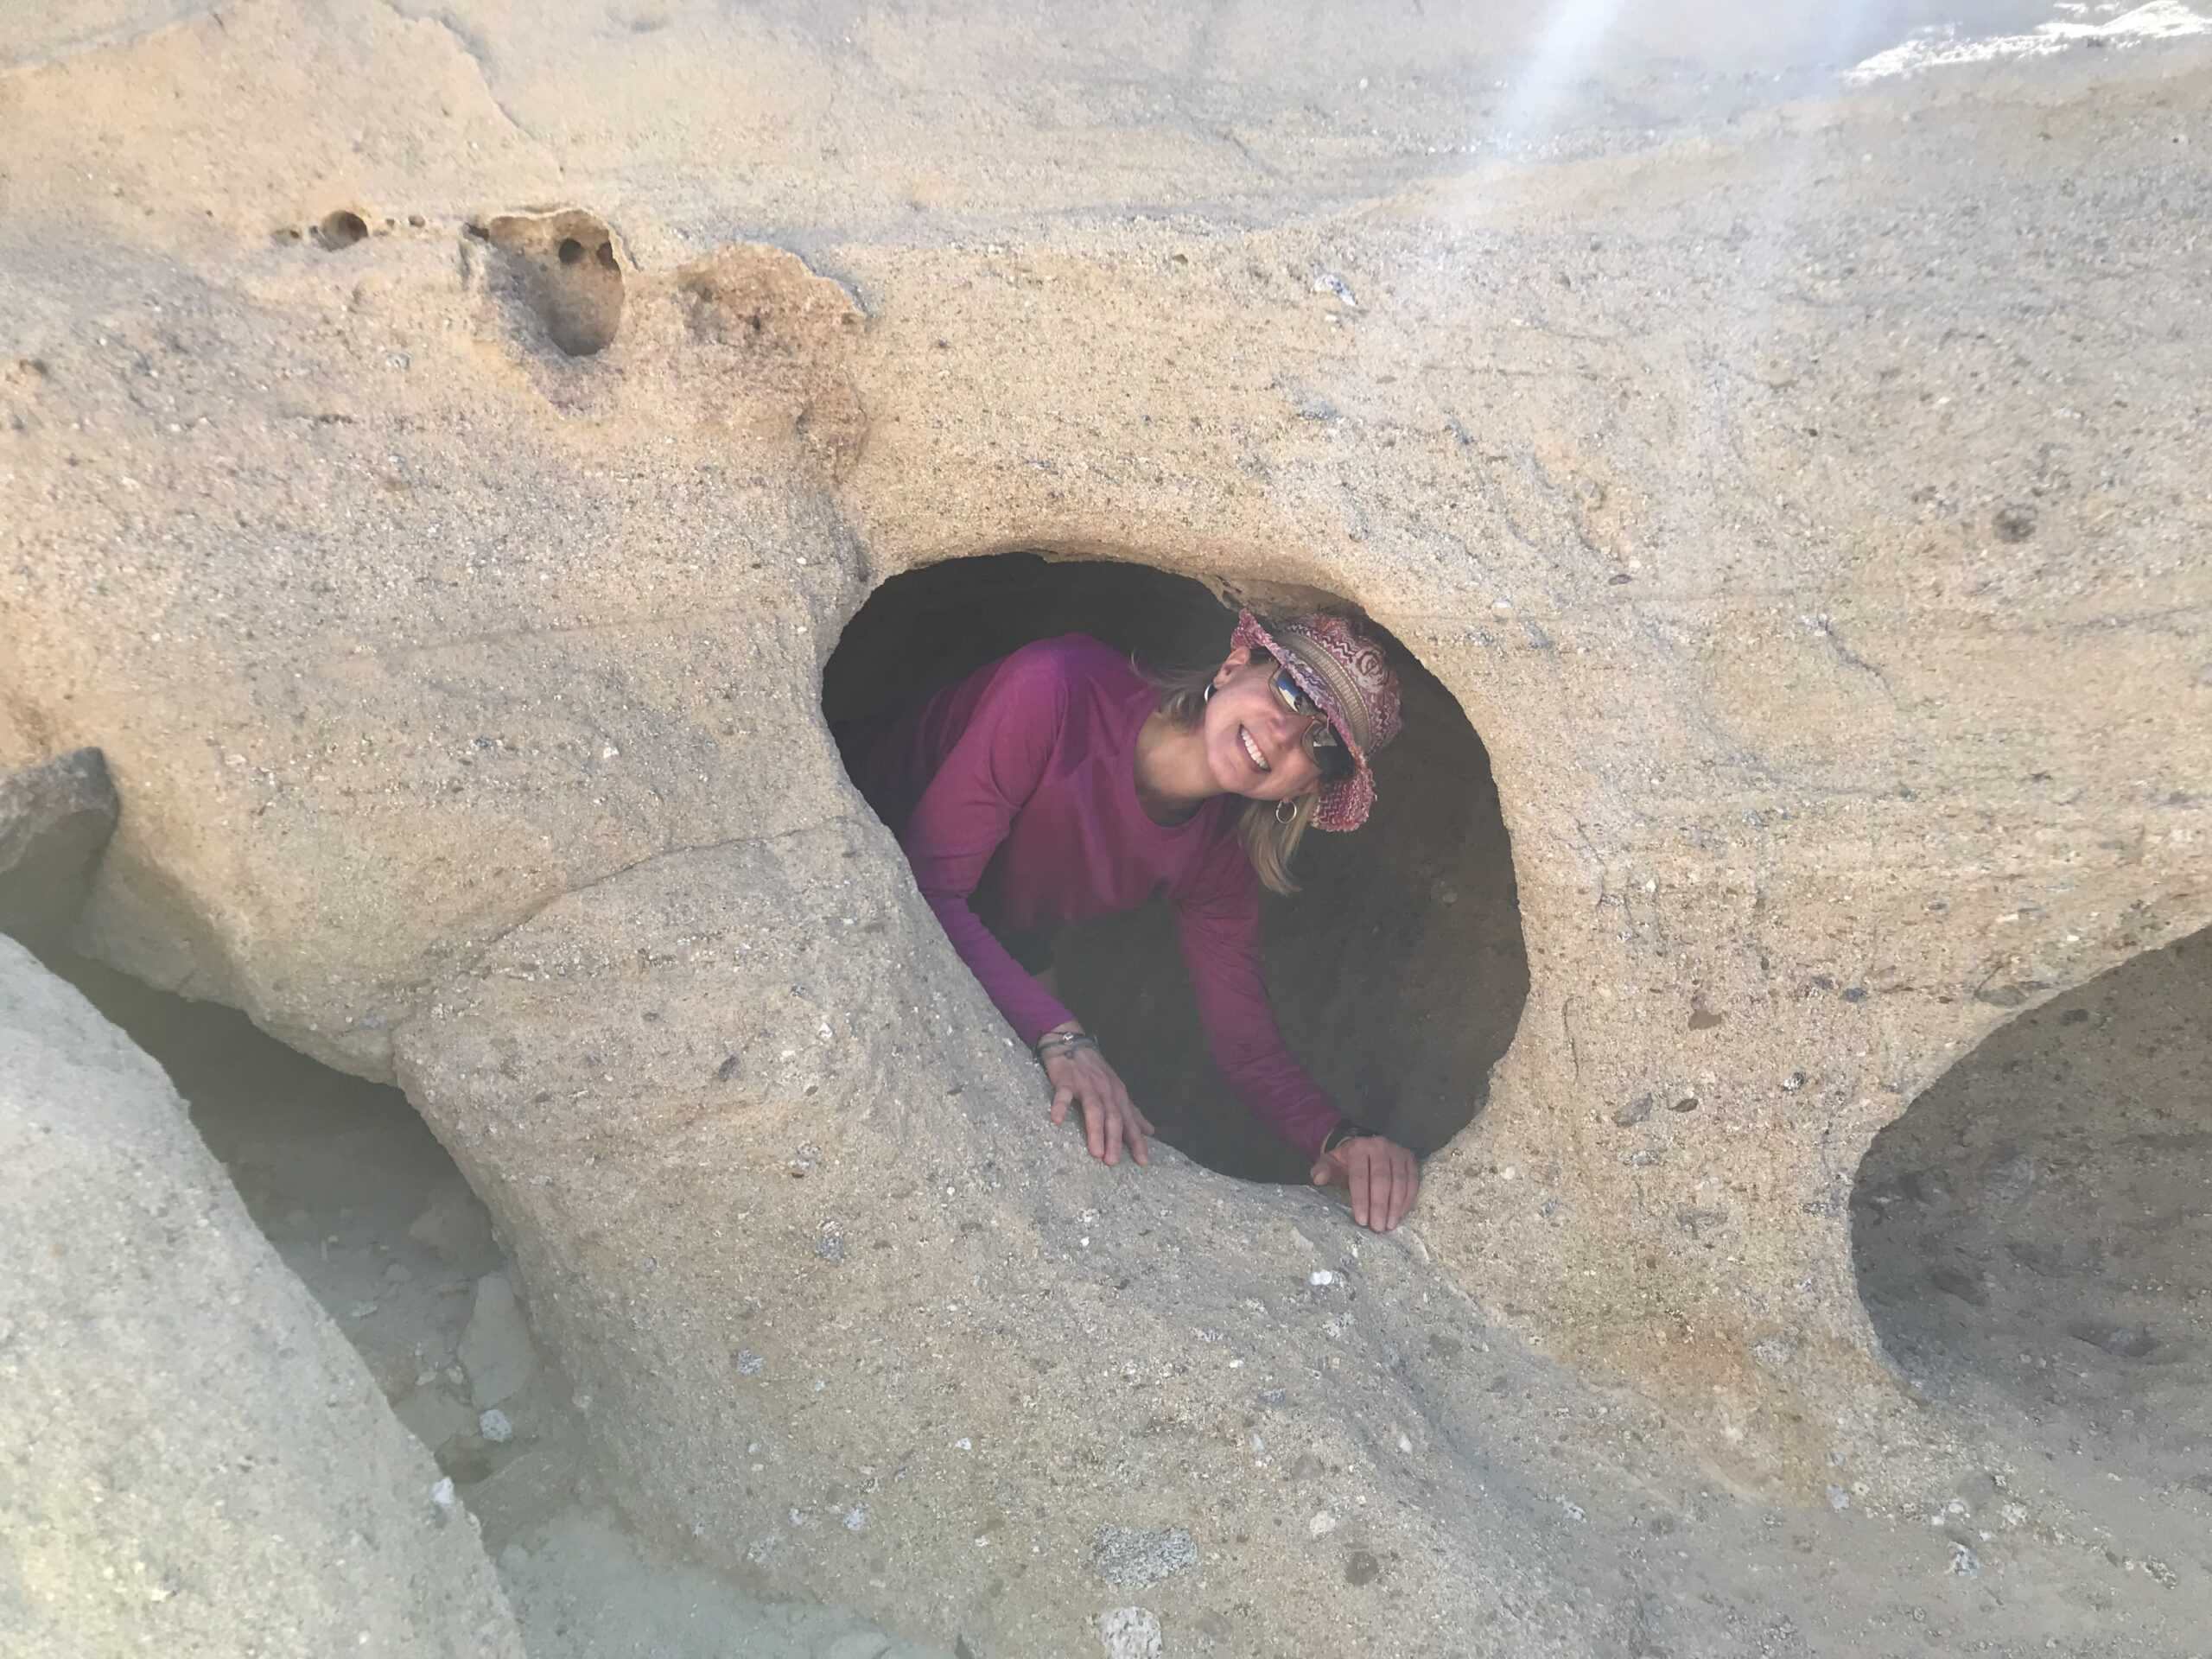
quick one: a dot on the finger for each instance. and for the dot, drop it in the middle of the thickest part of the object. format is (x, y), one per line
(1363, 1187)
(1114, 1131)
(1393, 1210)
(1412, 1190)
(1063, 1097)
(1132, 1124)
(1094, 1124)
(1323, 1171)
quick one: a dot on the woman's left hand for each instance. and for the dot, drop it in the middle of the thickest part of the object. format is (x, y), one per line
(1380, 1177)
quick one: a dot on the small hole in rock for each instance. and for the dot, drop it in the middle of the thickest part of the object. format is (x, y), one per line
(342, 229)
(606, 256)
(578, 301)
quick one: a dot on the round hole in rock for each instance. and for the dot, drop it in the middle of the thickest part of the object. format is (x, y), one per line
(1397, 972)
(2033, 1237)
(342, 229)
(570, 250)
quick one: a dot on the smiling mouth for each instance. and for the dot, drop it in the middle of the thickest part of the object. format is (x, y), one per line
(1252, 750)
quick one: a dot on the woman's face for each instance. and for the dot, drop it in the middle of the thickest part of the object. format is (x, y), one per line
(1253, 742)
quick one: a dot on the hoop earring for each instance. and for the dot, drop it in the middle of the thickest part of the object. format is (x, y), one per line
(1292, 818)
(1210, 689)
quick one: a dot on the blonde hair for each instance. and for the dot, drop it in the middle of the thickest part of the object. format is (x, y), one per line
(1269, 841)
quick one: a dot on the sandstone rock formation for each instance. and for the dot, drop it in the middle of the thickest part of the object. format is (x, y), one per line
(196, 1461)
(1802, 501)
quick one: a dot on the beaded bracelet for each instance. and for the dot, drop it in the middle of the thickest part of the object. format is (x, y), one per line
(1065, 1042)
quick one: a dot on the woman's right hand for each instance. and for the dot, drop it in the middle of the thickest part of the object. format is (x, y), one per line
(1110, 1119)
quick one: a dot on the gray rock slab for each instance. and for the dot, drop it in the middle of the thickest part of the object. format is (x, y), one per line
(196, 1462)
(496, 1350)
(54, 819)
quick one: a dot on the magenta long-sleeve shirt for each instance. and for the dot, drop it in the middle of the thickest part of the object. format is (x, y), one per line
(1016, 790)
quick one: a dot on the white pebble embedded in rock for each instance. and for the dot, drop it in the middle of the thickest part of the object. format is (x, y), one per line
(1129, 1633)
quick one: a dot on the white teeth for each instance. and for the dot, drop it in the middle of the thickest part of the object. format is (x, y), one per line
(1253, 749)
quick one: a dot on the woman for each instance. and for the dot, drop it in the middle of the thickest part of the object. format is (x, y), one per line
(1059, 784)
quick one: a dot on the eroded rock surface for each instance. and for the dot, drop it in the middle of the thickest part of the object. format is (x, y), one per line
(1803, 502)
(197, 1463)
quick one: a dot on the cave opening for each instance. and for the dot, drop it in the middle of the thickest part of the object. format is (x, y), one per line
(1397, 973)
(2033, 1237)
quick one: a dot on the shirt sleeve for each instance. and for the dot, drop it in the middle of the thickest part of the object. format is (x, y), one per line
(1219, 929)
(963, 816)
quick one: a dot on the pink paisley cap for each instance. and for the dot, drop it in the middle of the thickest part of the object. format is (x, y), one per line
(1347, 675)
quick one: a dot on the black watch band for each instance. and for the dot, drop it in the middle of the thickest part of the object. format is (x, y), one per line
(1342, 1132)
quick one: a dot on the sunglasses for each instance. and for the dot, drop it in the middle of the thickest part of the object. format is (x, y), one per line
(1322, 746)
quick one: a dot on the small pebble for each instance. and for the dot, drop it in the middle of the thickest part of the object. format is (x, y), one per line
(1321, 1276)
(441, 1497)
(1129, 1633)
(495, 1427)
(1321, 1525)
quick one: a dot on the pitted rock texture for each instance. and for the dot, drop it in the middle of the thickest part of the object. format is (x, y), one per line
(197, 1461)
(1802, 501)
